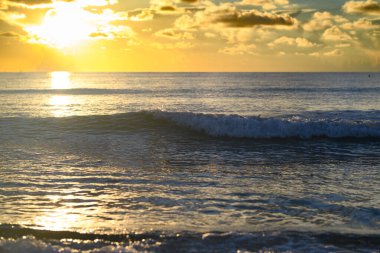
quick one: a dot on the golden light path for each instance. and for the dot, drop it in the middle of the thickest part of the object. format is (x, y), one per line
(58, 220)
(60, 103)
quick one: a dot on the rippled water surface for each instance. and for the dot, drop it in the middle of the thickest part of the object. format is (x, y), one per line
(179, 162)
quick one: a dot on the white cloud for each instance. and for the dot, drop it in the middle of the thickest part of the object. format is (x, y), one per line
(239, 49)
(323, 20)
(335, 34)
(299, 42)
(363, 24)
(265, 4)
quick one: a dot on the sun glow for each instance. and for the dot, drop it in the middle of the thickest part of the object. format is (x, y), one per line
(60, 80)
(60, 104)
(66, 25)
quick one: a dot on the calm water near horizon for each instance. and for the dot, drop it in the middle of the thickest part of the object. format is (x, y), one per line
(189, 162)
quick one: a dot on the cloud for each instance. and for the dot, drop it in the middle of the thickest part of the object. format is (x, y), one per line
(49, 4)
(12, 18)
(229, 16)
(210, 35)
(168, 8)
(25, 4)
(189, 1)
(159, 8)
(335, 52)
(172, 2)
(99, 35)
(265, 4)
(362, 23)
(343, 45)
(332, 53)
(185, 22)
(140, 15)
(335, 34)
(165, 7)
(323, 20)
(239, 49)
(10, 35)
(3, 5)
(364, 7)
(236, 36)
(299, 42)
(176, 45)
(171, 33)
(31, 2)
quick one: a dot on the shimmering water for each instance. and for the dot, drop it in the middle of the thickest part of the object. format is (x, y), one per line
(179, 162)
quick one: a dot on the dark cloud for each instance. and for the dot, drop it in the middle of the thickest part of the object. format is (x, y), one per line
(189, 1)
(366, 7)
(168, 33)
(167, 8)
(9, 35)
(370, 7)
(252, 18)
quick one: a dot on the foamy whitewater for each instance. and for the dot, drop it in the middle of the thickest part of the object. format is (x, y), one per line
(189, 162)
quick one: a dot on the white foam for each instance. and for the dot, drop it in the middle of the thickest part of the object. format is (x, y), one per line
(28, 244)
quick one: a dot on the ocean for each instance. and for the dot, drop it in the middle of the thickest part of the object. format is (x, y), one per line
(189, 162)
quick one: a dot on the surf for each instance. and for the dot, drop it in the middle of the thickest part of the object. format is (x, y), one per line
(320, 125)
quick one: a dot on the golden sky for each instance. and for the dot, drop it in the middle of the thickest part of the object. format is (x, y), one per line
(189, 35)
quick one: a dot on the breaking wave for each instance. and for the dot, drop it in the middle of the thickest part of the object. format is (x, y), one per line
(16, 239)
(352, 124)
(275, 127)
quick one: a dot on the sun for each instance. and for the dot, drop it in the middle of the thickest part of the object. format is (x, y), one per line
(66, 25)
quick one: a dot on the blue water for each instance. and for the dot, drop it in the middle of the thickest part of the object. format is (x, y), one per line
(189, 162)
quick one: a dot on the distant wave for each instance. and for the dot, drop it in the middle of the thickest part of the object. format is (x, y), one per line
(305, 89)
(249, 91)
(76, 91)
(16, 239)
(350, 124)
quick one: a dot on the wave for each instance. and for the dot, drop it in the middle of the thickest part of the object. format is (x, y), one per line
(16, 239)
(274, 127)
(348, 124)
(77, 91)
(304, 89)
(228, 92)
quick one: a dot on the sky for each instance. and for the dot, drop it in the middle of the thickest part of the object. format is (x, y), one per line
(190, 35)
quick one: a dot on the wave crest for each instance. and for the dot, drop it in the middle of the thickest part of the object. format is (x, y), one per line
(275, 127)
(30, 240)
(352, 124)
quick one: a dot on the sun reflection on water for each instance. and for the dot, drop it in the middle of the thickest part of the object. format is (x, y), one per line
(57, 220)
(60, 105)
(60, 80)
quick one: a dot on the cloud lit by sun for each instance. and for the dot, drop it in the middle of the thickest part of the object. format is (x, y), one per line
(190, 35)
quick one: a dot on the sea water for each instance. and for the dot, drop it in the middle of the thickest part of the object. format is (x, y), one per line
(189, 162)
